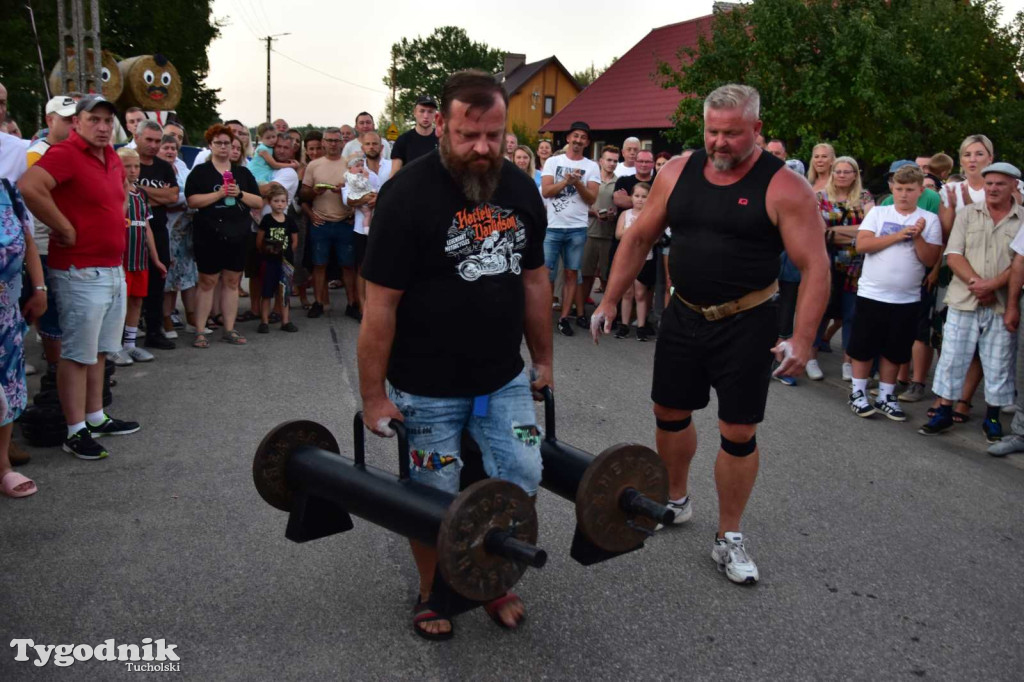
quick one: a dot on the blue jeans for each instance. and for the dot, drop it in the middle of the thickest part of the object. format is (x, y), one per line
(92, 304)
(338, 235)
(568, 244)
(508, 436)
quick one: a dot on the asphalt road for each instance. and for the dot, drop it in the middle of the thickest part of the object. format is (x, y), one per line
(883, 554)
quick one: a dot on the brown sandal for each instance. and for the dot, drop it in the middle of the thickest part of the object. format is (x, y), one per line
(201, 341)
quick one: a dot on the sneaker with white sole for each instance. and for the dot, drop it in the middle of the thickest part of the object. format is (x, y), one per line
(1008, 445)
(191, 329)
(890, 408)
(169, 334)
(140, 354)
(732, 559)
(847, 371)
(814, 372)
(683, 513)
(859, 404)
(915, 392)
(121, 358)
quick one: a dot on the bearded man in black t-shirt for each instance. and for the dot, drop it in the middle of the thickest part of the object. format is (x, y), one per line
(455, 276)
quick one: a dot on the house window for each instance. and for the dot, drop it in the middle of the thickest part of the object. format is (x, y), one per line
(549, 105)
(646, 144)
(595, 152)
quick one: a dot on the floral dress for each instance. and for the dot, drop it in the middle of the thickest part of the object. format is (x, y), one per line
(182, 273)
(846, 262)
(14, 222)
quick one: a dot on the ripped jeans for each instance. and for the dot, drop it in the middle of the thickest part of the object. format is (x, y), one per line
(508, 436)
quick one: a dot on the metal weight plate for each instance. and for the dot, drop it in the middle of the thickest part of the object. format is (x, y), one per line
(268, 466)
(598, 513)
(480, 508)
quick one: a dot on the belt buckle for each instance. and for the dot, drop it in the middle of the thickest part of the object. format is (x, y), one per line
(712, 313)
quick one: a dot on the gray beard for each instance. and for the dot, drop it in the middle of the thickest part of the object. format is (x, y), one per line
(731, 162)
(477, 187)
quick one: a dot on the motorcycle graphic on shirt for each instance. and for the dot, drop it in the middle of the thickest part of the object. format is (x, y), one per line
(486, 241)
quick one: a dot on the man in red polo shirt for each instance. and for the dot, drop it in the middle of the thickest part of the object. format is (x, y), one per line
(78, 191)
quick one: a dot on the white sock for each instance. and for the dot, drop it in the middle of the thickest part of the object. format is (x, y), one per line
(96, 418)
(129, 336)
(885, 391)
(681, 501)
(75, 428)
(860, 385)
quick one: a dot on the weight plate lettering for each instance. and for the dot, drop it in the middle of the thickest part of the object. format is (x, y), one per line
(268, 466)
(598, 512)
(486, 505)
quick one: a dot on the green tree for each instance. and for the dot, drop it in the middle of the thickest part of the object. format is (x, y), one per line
(422, 65)
(591, 73)
(880, 81)
(180, 29)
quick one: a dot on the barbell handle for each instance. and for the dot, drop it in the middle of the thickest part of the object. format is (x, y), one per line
(504, 544)
(549, 412)
(633, 501)
(359, 444)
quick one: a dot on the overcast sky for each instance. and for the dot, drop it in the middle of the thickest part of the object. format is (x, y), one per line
(352, 50)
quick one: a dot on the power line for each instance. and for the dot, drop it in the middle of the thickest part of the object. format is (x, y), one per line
(328, 75)
(245, 21)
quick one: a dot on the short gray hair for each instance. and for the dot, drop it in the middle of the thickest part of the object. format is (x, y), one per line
(634, 140)
(734, 96)
(149, 124)
(332, 129)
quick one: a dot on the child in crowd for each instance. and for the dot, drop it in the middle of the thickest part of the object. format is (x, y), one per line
(644, 280)
(357, 184)
(901, 241)
(277, 239)
(941, 165)
(138, 245)
(263, 164)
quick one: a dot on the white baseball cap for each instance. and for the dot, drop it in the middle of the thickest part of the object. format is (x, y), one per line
(62, 105)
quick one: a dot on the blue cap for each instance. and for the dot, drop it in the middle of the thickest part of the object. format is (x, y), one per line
(896, 165)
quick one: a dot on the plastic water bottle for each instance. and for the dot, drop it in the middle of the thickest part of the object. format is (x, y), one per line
(229, 179)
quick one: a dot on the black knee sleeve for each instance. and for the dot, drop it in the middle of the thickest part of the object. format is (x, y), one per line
(673, 426)
(739, 449)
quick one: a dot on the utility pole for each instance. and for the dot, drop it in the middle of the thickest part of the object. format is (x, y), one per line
(269, 40)
(394, 107)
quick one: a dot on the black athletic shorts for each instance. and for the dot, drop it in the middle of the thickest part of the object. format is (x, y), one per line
(733, 356)
(883, 330)
(214, 253)
(648, 274)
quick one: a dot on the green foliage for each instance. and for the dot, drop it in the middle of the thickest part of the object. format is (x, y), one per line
(879, 80)
(180, 29)
(423, 65)
(591, 73)
(525, 135)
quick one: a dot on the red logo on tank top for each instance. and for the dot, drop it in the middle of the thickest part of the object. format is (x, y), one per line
(743, 202)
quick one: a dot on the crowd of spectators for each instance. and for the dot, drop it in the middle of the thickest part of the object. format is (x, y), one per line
(110, 254)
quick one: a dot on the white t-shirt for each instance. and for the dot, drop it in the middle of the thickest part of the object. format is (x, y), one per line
(894, 274)
(628, 220)
(566, 210)
(1017, 245)
(12, 157)
(354, 146)
(287, 178)
(621, 170)
(977, 195)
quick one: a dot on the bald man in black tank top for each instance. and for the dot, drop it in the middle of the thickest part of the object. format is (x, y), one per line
(732, 212)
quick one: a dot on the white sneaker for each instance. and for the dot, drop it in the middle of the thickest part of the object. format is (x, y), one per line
(732, 558)
(683, 513)
(847, 371)
(169, 334)
(29, 369)
(814, 372)
(191, 329)
(1005, 409)
(139, 354)
(121, 358)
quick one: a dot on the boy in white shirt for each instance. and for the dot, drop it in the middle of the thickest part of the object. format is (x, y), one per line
(901, 242)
